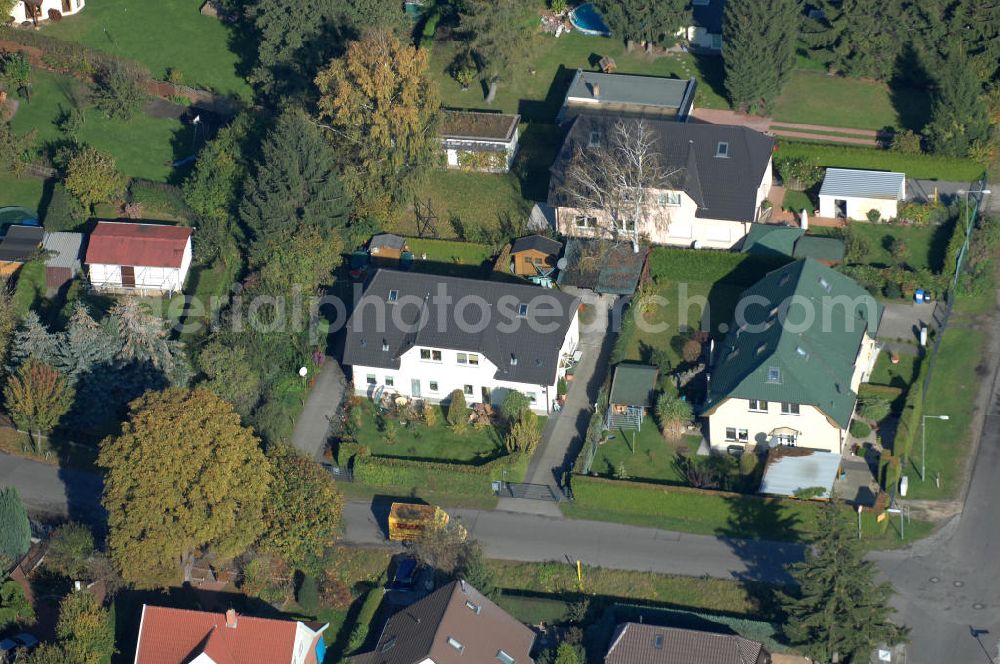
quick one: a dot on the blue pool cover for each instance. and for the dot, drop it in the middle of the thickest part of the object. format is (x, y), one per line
(589, 21)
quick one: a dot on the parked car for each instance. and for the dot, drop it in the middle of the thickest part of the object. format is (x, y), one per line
(405, 577)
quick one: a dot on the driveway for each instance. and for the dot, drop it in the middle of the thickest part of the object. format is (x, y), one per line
(325, 397)
(902, 321)
(537, 538)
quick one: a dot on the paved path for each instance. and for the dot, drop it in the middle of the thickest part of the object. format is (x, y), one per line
(948, 586)
(788, 129)
(55, 491)
(536, 538)
(903, 321)
(325, 397)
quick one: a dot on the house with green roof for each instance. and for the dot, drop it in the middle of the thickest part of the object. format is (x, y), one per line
(800, 344)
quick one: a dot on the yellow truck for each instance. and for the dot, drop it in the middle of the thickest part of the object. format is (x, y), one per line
(408, 520)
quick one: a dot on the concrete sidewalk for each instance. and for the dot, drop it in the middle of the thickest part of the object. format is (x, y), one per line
(325, 397)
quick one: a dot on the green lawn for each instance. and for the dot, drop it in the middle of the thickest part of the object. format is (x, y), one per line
(162, 35)
(418, 441)
(25, 191)
(143, 147)
(922, 166)
(925, 245)
(537, 96)
(812, 97)
(477, 199)
(951, 392)
(652, 459)
(796, 201)
(451, 257)
(30, 288)
(894, 375)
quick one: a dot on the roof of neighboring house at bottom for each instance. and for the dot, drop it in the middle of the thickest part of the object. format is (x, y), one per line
(635, 643)
(458, 613)
(175, 636)
(139, 245)
(774, 355)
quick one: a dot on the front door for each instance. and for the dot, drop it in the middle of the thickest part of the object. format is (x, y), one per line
(128, 276)
(415, 387)
(840, 206)
(486, 395)
(67, 7)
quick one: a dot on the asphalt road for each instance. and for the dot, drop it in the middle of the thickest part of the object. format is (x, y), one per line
(536, 538)
(50, 490)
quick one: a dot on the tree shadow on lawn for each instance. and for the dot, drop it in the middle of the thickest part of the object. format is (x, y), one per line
(712, 73)
(538, 148)
(532, 110)
(908, 90)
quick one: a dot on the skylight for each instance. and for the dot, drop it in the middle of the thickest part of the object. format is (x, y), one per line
(475, 608)
(802, 352)
(722, 150)
(504, 657)
(658, 642)
(774, 375)
(522, 310)
(454, 643)
(388, 645)
(393, 295)
(513, 360)
(824, 284)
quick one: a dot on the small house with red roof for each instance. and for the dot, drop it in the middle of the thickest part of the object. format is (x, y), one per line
(148, 258)
(179, 636)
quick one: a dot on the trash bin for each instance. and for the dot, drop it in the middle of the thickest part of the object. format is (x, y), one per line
(919, 296)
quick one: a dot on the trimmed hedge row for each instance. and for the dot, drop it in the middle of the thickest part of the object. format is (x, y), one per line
(921, 166)
(909, 420)
(710, 266)
(698, 510)
(887, 392)
(68, 57)
(457, 478)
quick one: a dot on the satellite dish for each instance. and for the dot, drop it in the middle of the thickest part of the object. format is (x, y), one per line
(303, 371)
(562, 263)
(696, 245)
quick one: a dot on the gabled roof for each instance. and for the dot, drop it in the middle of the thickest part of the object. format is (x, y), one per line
(177, 636)
(633, 385)
(635, 643)
(139, 245)
(792, 469)
(654, 91)
(773, 241)
(524, 350)
(540, 243)
(723, 187)
(453, 625)
(775, 356)
(21, 243)
(64, 249)
(478, 125)
(851, 183)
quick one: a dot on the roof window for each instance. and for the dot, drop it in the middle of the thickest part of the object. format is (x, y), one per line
(522, 310)
(475, 608)
(504, 657)
(385, 346)
(513, 360)
(658, 642)
(761, 348)
(393, 295)
(824, 284)
(388, 645)
(456, 644)
(595, 139)
(774, 375)
(722, 150)
(802, 352)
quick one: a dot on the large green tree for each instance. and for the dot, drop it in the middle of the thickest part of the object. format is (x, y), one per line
(86, 630)
(93, 177)
(838, 607)
(758, 49)
(182, 476)
(14, 149)
(381, 107)
(302, 510)
(959, 117)
(644, 21)
(229, 374)
(500, 33)
(296, 185)
(14, 606)
(862, 37)
(37, 397)
(15, 530)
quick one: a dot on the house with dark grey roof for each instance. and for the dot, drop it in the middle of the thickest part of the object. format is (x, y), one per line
(789, 370)
(628, 95)
(848, 193)
(479, 141)
(424, 336)
(638, 643)
(453, 625)
(714, 183)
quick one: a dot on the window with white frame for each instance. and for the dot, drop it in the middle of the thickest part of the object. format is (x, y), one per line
(789, 408)
(670, 198)
(532, 397)
(743, 435)
(431, 355)
(434, 386)
(731, 434)
(390, 381)
(467, 390)
(370, 379)
(584, 221)
(758, 406)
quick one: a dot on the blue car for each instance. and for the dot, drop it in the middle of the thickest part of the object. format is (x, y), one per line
(405, 576)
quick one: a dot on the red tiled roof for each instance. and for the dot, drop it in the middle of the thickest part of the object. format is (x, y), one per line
(139, 245)
(176, 636)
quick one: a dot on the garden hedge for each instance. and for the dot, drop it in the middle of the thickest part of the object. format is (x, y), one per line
(909, 420)
(699, 510)
(920, 166)
(888, 392)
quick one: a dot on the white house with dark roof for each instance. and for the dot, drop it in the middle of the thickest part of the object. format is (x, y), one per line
(848, 193)
(424, 336)
(478, 141)
(717, 178)
(25, 11)
(628, 95)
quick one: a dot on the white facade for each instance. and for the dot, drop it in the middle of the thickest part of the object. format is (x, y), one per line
(848, 193)
(671, 221)
(737, 421)
(148, 279)
(433, 374)
(66, 7)
(856, 208)
(454, 147)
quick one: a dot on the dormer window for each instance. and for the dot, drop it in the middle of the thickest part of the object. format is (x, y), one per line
(722, 150)
(393, 296)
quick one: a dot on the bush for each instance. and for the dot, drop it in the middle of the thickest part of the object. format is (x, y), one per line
(66, 56)
(15, 530)
(561, 387)
(365, 616)
(922, 166)
(430, 414)
(119, 92)
(335, 593)
(799, 172)
(514, 404)
(458, 410)
(860, 429)
(411, 475)
(691, 351)
(906, 142)
(308, 594)
(671, 264)
(748, 463)
(160, 199)
(673, 414)
(875, 408)
(70, 548)
(65, 212)
(892, 290)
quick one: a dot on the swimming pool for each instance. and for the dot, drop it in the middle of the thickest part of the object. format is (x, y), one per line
(589, 21)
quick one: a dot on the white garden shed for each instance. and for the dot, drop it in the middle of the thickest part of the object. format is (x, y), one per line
(145, 258)
(850, 194)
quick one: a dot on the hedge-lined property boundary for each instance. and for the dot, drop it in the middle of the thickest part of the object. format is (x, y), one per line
(919, 166)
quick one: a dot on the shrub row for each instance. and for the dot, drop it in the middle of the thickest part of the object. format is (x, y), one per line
(924, 167)
(909, 420)
(373, 599)
(699, 510)
(887, 392)
(68, 57)
(710, 266)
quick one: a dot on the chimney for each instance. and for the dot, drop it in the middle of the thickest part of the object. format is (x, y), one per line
(231, 619)
(595, 89)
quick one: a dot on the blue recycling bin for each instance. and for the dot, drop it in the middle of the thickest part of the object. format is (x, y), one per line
(920, 297)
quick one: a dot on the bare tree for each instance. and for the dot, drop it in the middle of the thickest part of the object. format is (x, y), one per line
(618, 176)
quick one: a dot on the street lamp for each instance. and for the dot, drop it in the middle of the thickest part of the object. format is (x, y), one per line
(923, 442)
